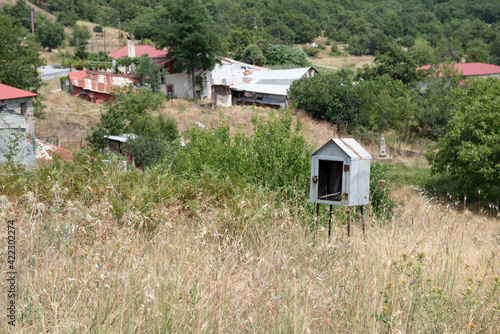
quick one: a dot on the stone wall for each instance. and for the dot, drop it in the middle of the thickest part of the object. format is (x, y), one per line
(23, 106)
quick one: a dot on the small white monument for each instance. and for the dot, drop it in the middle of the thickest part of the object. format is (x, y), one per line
(383, 154)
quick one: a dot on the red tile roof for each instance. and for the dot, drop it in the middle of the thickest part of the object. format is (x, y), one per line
(471, 69)
(8, 92)
(151, 51)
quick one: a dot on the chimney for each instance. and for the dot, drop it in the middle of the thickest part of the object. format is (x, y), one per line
(131, 47)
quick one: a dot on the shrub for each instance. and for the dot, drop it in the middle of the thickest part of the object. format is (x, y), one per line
(312, 51)
(276, 155)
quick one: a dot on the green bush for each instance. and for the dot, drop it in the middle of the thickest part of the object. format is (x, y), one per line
(276, 155)
(311, 51)
(380, 194)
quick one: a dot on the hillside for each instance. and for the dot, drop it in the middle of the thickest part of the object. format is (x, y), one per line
(70, 118)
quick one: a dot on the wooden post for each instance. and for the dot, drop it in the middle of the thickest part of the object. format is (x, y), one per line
(362, 218)
(330, 223)
(348, 222)
(317, 214)
(119, 34)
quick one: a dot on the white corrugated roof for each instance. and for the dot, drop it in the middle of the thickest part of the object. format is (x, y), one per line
(351, 147)
(123, 138)
(275, 82)
(231, 72)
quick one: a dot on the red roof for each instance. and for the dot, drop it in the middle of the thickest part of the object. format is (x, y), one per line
(471, 69)
(140, 50)
(8, 92)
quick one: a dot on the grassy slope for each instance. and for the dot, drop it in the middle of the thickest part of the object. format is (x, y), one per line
(244, 262)
(241, 262)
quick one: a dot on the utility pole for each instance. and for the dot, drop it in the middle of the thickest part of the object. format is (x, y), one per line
(32, 23)
(77, 43)
(104, 35)
(255, 27)
(119, 34)
(97, 45)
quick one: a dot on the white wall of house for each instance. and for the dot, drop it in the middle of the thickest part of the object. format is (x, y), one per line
(23, 106)
(182, 84)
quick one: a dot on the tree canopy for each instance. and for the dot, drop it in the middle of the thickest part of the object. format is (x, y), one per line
(189, 36)
(469, 151)
(19, 57)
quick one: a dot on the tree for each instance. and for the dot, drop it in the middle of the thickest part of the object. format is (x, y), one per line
(80, 34)
(118, 118)
(468, 152)
(253, 54)
(278, 54)
(50, 35)
(19, 57)
(396, 63)
(147, 72)
(153, 140)
(438, 103)
(330, 96)
(189, 36)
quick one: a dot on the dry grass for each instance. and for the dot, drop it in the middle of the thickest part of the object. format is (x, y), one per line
(337, 62)
(81, 270)
(67, 117)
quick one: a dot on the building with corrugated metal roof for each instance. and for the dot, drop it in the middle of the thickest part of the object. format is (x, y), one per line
(95, 86)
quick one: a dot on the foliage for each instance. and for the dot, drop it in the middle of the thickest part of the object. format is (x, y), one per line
(147, 72)
(19, 58)
(118, 118)
(436, 106)
(469, 152)
(50, 35)
(276, 155)
(385, 103)
(330, 96)
(12, 152)
(253, 55)
(380, 194)
(396, 63)
(97, 28)
(81, 33)
(153, 141)
(278, 54)
(189, 36)
(311, 50)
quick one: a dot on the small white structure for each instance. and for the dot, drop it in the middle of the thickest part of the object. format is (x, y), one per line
(340, 173)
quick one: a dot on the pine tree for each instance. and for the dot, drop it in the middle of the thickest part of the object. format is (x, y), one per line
(189, 36)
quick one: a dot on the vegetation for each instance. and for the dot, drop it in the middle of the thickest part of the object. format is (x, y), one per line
(213, 229)
(189, 36)
(129, 107)
(469, 152)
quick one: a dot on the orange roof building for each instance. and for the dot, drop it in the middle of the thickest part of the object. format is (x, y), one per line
(97, 87)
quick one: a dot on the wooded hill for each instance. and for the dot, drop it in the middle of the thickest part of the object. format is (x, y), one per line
(434, 30)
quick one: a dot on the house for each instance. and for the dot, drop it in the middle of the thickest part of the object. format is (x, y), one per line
(97, 86)
(468, 71)
(157, 56)
(20, 101)
(17, 124)
(270, 87)
(234, 81)
(471, 70)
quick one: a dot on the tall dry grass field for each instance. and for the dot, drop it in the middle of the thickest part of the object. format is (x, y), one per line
(248, 263)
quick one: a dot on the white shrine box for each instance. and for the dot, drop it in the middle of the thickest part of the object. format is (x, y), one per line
(340, 173)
